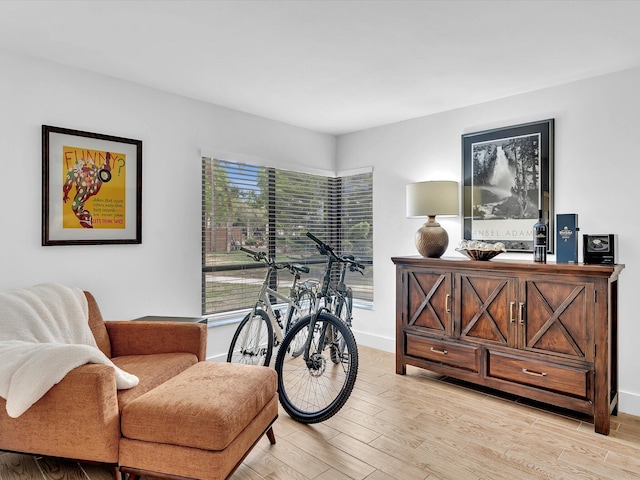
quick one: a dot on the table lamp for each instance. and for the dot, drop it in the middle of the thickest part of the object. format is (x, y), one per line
(428, 199)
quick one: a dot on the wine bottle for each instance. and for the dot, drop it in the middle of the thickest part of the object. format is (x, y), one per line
(540, 240)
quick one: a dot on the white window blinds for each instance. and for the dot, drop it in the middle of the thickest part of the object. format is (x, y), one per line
(269, 209)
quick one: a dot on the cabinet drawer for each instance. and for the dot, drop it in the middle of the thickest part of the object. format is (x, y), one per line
(568, 380)
(446, 353)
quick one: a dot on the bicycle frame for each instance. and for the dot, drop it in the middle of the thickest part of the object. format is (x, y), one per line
(264, 302)
(332, 259)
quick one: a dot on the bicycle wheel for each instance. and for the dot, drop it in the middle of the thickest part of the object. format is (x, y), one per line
(252, 341)
(343, 309)
(313, 391)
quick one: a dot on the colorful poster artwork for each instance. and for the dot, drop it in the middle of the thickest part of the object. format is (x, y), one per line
(93, 188)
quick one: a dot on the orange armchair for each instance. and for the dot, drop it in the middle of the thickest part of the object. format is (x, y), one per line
(79, 418)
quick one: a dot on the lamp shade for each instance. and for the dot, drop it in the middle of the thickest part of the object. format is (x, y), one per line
(432, 198)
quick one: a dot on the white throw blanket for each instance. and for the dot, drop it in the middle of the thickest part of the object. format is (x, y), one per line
(44, 334)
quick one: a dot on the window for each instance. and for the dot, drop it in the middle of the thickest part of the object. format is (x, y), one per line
(269, 209)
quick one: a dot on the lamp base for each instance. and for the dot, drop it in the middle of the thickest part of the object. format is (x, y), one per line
(431, 239)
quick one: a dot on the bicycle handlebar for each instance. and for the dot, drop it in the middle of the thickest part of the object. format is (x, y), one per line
(322, 247)
(327, 250)
(257, 256)
(262, 257)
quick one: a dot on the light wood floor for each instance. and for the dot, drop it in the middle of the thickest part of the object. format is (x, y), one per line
(417, 426)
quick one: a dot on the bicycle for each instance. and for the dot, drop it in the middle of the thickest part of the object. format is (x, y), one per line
(339, 297)
(310, 388)
(262, 328)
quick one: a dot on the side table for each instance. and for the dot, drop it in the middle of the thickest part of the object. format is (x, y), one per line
(156, 318)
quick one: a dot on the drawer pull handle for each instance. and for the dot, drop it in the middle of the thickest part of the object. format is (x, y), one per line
(511, 317)
(521, 313)
(448, 303)
(441, 352)
(535, 374)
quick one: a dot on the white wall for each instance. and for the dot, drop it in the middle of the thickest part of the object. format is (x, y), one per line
(596, 176)
(162, 275)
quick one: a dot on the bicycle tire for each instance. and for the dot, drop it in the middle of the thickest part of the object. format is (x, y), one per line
(257, 327)
(344, 309)
(314, 392)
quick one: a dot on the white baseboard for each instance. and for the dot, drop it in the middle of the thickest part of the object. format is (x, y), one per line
(629, 403)
(374, 341)
(217, 358)
(385, 344)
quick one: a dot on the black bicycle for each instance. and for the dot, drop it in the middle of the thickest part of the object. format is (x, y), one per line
(317, 363)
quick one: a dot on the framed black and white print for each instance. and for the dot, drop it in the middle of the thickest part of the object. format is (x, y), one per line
(508, 178)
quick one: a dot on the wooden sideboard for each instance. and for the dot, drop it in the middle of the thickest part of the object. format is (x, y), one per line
(547, 332)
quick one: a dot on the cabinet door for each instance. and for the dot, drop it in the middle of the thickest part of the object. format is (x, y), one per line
(558, 318)
(486, 308)
(429, 301)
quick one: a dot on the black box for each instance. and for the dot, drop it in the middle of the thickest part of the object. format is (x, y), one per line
(601, 249)
(567, 238)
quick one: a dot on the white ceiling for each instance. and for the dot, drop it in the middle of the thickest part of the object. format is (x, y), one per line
(332, 66)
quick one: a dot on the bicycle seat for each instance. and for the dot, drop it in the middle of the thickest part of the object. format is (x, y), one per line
(300, 268)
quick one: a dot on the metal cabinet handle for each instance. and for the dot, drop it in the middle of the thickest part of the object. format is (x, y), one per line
(512, 319)
(448, 303)
(521, 313)
(535, 374)
(441, 352)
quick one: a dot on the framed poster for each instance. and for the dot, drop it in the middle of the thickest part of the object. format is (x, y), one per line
(508, 178)
(91, 188)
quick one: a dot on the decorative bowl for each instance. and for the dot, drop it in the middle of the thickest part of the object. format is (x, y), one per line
(477, 250)
(476, 254)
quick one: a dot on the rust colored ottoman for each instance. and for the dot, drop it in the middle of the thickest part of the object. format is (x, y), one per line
(200, 424)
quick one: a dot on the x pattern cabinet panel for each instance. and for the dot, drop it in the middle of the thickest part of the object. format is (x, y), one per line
(559, 318)
(428, 301)
(484, 307)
